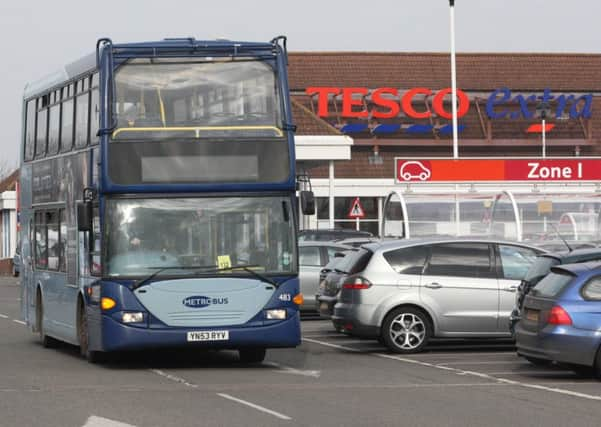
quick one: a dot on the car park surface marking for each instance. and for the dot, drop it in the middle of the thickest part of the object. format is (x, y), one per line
(289, 370)
(226, 396)
(255, 406)
(20, 322)
(464, 372)
(3, 316)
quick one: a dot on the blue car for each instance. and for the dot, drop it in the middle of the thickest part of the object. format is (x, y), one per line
(561, 320)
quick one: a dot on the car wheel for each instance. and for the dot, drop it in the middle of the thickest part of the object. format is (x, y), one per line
(252, 355)
(406, 330)
(423, 176)
(406, 176)
(538, 362)
(47, 342)
(84, 347)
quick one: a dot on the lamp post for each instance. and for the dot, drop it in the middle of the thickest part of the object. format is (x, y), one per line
(453, 80)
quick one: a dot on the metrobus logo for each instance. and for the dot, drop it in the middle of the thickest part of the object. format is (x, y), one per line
(202, 301)
(388, 103)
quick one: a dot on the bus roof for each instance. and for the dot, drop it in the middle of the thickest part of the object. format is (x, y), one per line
(88, 62)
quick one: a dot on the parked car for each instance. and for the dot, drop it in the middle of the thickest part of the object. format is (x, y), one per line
(355, 242)
(560, 245)
(562, 318)
(542, 267)
(17, 261)
(313, 256)
(331, 235)
(413, 290)
(332, 278)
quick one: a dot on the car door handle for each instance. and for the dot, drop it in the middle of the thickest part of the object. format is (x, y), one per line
(511, 288)
(433, 285)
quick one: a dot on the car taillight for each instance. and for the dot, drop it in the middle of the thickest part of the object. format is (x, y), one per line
(558, 316)
(356, 282)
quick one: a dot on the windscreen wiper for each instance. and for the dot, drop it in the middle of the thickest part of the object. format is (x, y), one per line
(249, 269)
(159, 270)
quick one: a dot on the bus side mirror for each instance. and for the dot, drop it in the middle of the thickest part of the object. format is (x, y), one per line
(307, 200)
(84, 216)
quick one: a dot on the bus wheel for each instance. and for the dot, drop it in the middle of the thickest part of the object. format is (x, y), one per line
(84, 349)
(47, 342)
(252, 355)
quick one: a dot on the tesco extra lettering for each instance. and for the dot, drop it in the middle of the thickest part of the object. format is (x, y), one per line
(388, 103)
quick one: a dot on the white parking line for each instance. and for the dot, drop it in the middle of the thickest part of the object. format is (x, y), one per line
(20, 322)
(3, 316)
(173, 378)
(488, 362)
(464, 372)
(290, 370)
(182, 381)
(255, 406)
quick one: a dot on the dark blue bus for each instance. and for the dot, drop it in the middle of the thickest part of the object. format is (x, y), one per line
(158, 199)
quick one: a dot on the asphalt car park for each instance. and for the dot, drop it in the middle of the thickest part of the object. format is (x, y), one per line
(332, 379)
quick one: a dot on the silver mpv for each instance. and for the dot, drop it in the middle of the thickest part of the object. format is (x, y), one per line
(408, 291)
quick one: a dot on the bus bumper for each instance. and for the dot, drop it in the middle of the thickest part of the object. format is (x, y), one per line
(117, 336)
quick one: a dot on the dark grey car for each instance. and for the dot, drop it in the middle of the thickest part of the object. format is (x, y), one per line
(412, 290)
(313, 256)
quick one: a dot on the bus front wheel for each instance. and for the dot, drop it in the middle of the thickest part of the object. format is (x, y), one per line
(47, 342)
(252, 355)
(84, 348)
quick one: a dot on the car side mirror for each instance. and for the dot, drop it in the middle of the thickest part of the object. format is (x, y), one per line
(307, 200)
(84, 216)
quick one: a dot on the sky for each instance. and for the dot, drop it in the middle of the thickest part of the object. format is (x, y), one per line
(39, 37)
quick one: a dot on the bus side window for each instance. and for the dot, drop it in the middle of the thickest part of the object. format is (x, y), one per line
(41, 242)
(62, 252)
(95, 117)
(67, 124)
(42, 129)
(53, 129)
(95, 251)
(82, 113)
(30, 129)
(53, 241)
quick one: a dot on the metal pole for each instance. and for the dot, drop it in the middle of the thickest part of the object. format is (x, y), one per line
(453, 81)
(331, 194)
(544, 140)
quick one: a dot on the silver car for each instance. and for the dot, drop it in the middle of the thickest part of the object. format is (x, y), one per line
(313, 256)
(408, 291)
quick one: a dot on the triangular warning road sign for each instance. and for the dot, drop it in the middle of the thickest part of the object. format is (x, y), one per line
(357, 210)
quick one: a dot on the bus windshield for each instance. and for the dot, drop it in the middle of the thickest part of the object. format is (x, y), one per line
(143, 235)
(162, 98)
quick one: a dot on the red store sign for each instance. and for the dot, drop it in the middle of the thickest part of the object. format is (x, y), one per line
(490, 170)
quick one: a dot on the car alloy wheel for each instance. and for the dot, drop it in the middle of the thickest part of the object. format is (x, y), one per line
(406, 330)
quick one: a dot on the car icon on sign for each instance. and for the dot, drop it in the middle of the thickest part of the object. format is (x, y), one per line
(414, 170)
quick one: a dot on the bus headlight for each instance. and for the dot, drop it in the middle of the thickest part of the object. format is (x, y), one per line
(132, 317)
(277, 314)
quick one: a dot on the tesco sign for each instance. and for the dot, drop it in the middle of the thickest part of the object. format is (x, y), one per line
(388, 103)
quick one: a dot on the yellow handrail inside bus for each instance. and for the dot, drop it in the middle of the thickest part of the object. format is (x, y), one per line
(196, 129)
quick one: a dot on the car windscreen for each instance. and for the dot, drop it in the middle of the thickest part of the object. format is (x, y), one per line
(552, 284)
(540, 268)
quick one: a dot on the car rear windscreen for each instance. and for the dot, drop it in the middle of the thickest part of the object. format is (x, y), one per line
(540, 268)
(552, 284)
(355, 262)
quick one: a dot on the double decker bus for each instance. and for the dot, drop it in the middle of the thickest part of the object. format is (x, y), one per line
(158, 201)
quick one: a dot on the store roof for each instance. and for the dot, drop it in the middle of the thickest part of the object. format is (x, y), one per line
(475, 71)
